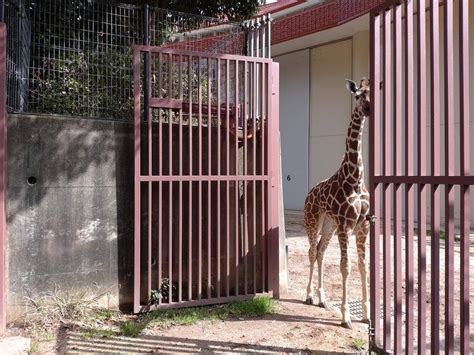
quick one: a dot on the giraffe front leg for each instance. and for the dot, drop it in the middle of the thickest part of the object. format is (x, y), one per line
(345, 266)
(361, 239)
(322, 246)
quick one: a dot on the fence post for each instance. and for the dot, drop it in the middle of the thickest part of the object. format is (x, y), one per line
(146, 42)
(3, 130)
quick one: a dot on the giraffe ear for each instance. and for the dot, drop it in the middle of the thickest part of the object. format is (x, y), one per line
(351, 86)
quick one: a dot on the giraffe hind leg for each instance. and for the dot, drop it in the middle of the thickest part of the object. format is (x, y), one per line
(313, 226)
(327, 233)
(361, 239)
(345, 266)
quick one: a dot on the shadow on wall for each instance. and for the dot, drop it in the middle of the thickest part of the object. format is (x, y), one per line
(69, 206)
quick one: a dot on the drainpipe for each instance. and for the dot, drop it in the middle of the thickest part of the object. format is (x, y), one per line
(2, 10)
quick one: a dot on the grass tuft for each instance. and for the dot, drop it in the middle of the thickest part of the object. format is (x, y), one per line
(103, 314)
(256, 307)
(131, 328)
(33, 348)
(359, 344)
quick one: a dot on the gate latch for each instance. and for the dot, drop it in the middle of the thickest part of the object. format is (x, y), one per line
(371, 218)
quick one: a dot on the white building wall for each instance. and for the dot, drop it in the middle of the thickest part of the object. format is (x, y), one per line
(331, 61)
(330, 108)
(294, 123)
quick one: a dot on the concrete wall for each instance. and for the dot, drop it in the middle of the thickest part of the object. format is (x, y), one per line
(73, 226)
(294, 125)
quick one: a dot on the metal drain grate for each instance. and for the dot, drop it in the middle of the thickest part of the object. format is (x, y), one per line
(356, 309)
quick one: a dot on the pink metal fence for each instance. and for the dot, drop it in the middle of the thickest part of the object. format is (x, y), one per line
(206, 196)
(416, 97)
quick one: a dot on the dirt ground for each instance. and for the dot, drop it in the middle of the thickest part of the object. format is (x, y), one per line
(294, 327)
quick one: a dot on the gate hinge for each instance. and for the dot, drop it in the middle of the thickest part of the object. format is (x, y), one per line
(371, 329)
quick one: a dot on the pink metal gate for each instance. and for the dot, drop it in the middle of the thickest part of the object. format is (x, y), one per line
(206, 173)
(420, 178)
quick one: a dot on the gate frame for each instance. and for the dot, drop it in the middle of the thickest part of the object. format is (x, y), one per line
(3, 153)
(272, 178)
(423, 179)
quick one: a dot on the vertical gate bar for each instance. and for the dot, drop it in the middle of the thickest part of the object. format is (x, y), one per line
(3, 164)
(147, 58)
(137, 175)
(170, 184)
(421, 97)
(387, 84)
(244, 166)
(219, 173)
(269, 190)
(254, 172)
(274, 162)
(465, 235)
(262, 164)
(209, 172)
(449, 171)
(397, 131)
(160, 173)
(258, 33)
(190, 207)
(180, 211)
(374, 161)
(236, 181)
(465, 170)
(200, 157)
(409, 159)
(263, 35)
(148, 118)
(435, 171)
(251, 37)
(269, 36)
(227, 147)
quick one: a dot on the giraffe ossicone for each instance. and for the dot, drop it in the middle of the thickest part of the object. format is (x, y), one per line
(340, 205)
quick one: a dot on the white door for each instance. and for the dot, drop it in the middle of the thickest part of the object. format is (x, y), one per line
(330, 109)
(294, 125)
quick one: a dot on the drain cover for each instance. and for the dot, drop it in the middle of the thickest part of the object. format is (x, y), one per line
(356, 309)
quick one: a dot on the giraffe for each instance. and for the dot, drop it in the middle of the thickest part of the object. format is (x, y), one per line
(340, 205)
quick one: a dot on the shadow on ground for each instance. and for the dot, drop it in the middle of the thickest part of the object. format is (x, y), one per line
(74, 342)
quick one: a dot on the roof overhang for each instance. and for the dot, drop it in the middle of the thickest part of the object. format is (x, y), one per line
(333, 34)
(321, 17)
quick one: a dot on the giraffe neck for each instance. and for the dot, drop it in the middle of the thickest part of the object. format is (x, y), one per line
(353, 164)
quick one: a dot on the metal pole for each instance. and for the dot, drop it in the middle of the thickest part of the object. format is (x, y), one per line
(146, 42)
(2, 10)
(3, 132)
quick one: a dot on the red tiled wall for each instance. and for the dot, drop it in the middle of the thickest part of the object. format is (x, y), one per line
(318, 18)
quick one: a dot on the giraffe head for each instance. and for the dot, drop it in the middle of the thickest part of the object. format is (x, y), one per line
(361, 94)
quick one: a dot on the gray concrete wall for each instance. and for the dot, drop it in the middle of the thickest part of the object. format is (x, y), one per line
(73, 228)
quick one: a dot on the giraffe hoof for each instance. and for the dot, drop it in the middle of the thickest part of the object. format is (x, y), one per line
(347, 325)
(309, 301)
(325, 304)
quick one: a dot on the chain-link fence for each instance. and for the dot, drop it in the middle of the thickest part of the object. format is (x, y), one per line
(74, 57)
